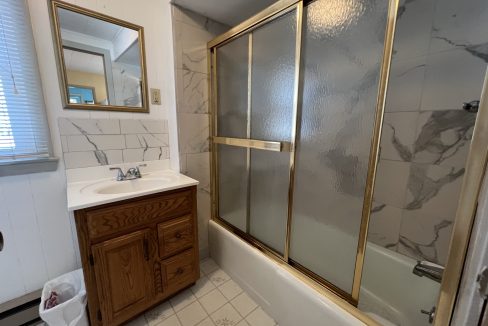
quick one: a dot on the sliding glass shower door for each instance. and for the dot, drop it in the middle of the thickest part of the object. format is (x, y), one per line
(256, 79)
(342, 55)
(295, 100)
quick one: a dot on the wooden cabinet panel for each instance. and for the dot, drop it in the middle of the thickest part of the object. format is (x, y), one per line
(123, 275)
(175, 235)
(179, 271)
(124, 216)
(137, 252)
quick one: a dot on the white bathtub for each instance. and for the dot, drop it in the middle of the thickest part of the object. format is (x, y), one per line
(291, 302)
(391, 290)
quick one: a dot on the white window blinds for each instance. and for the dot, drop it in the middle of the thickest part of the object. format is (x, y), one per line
(24, 133)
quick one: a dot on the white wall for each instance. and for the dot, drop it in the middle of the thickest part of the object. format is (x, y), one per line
(33, 216)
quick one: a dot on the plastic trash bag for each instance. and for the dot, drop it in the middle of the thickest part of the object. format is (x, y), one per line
(71, 308)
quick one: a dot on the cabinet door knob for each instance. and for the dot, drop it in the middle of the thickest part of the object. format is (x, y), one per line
(1, 241)
(178, 235)
(179, 271)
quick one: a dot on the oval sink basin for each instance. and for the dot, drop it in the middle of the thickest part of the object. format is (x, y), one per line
(127, 186)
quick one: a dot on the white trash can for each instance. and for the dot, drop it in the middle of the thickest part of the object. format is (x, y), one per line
(71, 308)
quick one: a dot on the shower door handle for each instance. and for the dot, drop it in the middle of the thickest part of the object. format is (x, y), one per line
(275, 146)
(1, 241)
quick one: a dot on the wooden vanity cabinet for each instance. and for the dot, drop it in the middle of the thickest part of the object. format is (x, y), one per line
(137, 252)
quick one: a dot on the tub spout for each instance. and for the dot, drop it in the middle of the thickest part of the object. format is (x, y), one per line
(430, 270)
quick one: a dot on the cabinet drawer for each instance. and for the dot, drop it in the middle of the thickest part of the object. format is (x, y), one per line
(128, 215)
(175, 235)
(179, 271)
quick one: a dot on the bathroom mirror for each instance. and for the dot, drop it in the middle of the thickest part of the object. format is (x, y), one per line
(101, 60)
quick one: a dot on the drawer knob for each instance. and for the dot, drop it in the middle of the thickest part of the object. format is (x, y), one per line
(179, 271)
(178, 235)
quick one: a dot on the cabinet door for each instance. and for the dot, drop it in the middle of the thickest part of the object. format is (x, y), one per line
(123, 276)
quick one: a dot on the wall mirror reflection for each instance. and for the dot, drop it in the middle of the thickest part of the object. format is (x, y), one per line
(101, 60)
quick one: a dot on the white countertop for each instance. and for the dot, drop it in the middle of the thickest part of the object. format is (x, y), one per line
(83, 193)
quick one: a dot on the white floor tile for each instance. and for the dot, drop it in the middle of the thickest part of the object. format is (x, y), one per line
(244, 304)
(208, 266)
(207, 322)
(202, 287)
(159, 313)
(192, 314)
(226, 316)
(243, 323)
(215, 294)
(139, 321)
(219, 277)
(171, 321)
(182, 300)
(230, 289)
(259, 318)
(212, 301)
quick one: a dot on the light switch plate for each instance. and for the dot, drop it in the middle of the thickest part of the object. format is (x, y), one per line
(155, 96)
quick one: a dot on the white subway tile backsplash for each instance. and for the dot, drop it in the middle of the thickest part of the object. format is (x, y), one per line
(95, 142)
(74, 160)
(88, 126)
(88, 143)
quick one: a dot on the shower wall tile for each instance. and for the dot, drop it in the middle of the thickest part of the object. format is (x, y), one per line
(198, 166)
(425, 238)
(443, 137)
(191, 32)
(192, 91)
(459, 23)
(452, 78)
(439, 62)
(405, 84)
(193, 133)
(384, 225)
(398, 136)
(414, 22)
(392, 175)
(433, 190)
(93, 142)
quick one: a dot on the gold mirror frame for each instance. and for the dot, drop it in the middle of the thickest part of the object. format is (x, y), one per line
(54, 6)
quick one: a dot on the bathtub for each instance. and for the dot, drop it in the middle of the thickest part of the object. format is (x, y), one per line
(292, 301)
(391, 290)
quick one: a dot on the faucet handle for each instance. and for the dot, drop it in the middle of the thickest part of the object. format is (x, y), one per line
(430, 313)
(138, 172)
(120, 173)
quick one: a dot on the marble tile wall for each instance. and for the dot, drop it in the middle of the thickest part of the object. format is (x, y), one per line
(94, 142)
(191, 32)
(439, 62)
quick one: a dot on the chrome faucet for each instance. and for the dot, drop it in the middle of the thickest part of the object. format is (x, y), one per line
(131, 174)
(429, 270)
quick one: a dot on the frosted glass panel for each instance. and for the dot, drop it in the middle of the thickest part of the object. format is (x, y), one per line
(269, 197)
(232, 75)
(273, 71)
(232, 164)
(342, 50)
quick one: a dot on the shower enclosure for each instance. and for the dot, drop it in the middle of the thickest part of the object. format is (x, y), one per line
(298, 98)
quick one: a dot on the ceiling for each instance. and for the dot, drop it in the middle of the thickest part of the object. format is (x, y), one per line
(88, 25)
(230, 12)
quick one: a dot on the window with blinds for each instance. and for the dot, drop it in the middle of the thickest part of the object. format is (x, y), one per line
(24, 134)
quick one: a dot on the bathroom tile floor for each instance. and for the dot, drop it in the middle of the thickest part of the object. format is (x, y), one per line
(215, 300)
